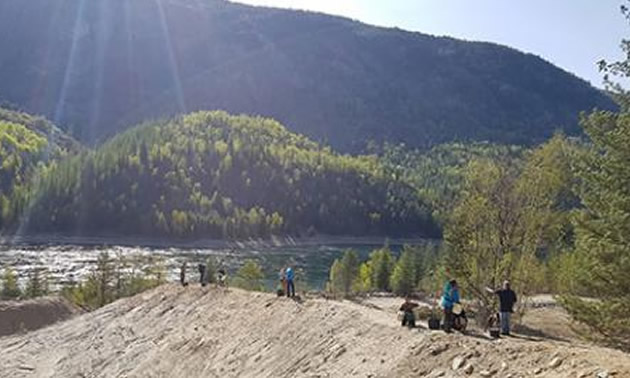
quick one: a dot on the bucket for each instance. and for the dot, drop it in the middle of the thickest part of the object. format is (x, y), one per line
(434, 323)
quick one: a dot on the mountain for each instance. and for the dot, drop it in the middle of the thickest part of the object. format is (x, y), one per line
(210, 174)
(98, 67)
(26, 144)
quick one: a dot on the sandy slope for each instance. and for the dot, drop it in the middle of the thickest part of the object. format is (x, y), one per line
(191, 332)
(21, 316)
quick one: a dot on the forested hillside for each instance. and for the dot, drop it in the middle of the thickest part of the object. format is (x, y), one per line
(439, 173)
(209, 174)
(98, 67)
(26, 143)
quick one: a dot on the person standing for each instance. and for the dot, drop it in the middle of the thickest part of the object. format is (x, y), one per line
(289, 276)
(182, 275)
(450, 296)
(507, 299)
(202, 274)
(283, 282)
(222, 277)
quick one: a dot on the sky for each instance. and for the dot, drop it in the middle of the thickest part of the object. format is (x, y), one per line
(572, 34)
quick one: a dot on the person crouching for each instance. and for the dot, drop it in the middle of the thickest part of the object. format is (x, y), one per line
(408, 318)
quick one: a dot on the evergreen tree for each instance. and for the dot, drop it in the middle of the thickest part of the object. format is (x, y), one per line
(10, 287)
(363, 282)
(37, 284)
(344, 274)
(350, 270)
(382, 264)
(101, 281)
(404, 274)
(250, 276)
(335, 278)
(602, 227)
(211, 269)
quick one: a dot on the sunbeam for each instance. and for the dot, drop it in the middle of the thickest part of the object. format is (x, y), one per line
(171, 58)
(59, 108)
(76, 35)
(102, 38)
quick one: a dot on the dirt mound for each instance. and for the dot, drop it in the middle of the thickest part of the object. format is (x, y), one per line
(22, 316)
(193, 332)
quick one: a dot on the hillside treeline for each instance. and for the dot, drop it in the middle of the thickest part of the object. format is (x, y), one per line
(26, 143)
(209, 174)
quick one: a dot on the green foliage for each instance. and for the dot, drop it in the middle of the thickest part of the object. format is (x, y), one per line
(250, 276)
(211, 269)
(382, 264)
(381, 272)
(26, 144)
(563, 267)
(10, 287)
(363, 282)
(403, 278)
(603, 230)
(439, 173)
(209, 174)
(37, 284)
(335, 278)
(112, 279)
(602, 225)
(619, 69)
(344, 274)
(508, 219)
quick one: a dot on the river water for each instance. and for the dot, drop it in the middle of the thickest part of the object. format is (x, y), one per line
(73, 262)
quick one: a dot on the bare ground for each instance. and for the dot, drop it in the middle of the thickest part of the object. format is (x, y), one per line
(192, 332)
(22, 316)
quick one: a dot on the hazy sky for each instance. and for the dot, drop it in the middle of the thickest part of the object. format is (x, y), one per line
(573, 34)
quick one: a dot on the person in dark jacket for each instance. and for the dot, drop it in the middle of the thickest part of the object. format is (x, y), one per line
(507, 299)
(182, 275)
(409, 318)
(202, 274)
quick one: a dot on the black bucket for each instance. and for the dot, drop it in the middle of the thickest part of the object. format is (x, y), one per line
(434, 323)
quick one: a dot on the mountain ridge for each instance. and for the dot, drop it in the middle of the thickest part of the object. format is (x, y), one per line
(331, 78)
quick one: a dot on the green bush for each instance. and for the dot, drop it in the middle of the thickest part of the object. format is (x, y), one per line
(10, 287)
(250, 276)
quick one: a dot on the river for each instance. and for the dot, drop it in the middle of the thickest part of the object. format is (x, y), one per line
(72, 260)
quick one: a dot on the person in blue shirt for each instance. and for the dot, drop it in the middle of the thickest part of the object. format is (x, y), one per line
(450, 296)
(289, 276)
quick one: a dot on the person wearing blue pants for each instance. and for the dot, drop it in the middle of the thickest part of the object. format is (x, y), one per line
(289, 276)
(507, 299)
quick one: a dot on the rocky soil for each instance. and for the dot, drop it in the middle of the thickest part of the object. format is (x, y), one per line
(193, 332)
(23, 316)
